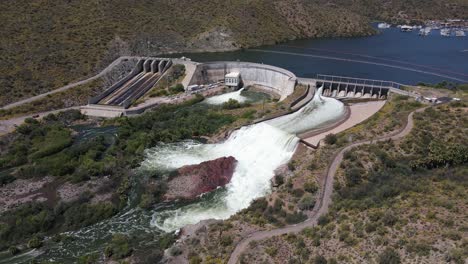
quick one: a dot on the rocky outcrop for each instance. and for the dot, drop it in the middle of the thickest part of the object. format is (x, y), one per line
(194, 180)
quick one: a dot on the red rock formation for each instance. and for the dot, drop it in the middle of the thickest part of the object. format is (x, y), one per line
(193, 180)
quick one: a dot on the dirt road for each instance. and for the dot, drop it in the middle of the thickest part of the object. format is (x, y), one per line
(325, 199)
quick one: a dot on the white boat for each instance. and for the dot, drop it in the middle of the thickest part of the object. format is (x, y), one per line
(425, 31)
(383, 25)
(460, 33)
(406, 28)
(445, 32)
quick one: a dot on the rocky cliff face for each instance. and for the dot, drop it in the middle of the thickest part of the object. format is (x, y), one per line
(194, 180)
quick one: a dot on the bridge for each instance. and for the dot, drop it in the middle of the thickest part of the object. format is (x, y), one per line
(341, 87)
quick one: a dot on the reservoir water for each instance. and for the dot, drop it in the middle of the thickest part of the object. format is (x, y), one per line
(392, 55)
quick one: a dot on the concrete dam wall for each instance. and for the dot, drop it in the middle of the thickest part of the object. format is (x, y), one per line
(353, 90)
(274, 79)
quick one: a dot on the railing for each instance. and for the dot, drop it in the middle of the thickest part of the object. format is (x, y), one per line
(357, 81)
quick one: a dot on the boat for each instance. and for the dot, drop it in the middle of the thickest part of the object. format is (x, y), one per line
(460, 33)
(406, 28)
(425, 31)
(445, 32)
(383, 25)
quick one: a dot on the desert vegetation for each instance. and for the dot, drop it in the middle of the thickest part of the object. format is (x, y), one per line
(390, 206)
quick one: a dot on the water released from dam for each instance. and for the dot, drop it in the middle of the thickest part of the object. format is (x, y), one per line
(259, 149)
(220, 99)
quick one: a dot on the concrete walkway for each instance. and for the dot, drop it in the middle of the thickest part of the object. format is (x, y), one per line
(359, 113)
(321, 207)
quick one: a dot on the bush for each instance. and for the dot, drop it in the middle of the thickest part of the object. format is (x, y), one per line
(279, 180)
(226, 240)
(331, 139)
(307, 202)
(320, 260)
(389, 256)
(175, 251)
(323, 220)
(390, 218)
(295, 218)
(35, 242)
(231, 104)
(13, 250)
(178, 88)
(310, 187)
(119, 247)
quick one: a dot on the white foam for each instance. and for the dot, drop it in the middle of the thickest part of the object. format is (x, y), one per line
(319, 111)
(220, 99)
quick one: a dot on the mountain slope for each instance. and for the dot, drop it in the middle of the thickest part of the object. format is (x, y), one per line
(47, 44)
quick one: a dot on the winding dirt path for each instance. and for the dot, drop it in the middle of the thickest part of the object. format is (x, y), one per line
(325, 199)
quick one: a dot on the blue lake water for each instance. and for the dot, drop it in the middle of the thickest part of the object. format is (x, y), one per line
(392, 55)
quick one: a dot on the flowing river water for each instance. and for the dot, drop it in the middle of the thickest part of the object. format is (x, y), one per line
(259, 149)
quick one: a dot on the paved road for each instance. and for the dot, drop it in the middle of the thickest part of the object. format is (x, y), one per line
(66, 87)
(325, 199)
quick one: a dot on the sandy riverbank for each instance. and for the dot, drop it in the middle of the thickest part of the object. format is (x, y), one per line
(359, 112)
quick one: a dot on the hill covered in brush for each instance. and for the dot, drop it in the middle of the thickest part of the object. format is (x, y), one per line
(47, 44)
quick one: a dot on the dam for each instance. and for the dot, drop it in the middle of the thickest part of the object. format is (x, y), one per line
(118, 99)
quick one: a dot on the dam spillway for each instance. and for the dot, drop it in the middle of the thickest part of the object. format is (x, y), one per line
(347, 87)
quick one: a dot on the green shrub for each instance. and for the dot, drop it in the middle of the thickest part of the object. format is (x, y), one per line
(35, 242)
(323, 220)
(178, 88)
(119, 247)
(389, 256)
(331, 139)
(226, 240)
(13, 250)
(319, 260)
(231, 104)
(307, 202)
(310, 187)
(295, 218)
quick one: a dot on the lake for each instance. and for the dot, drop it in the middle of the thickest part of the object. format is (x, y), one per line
(392, 55)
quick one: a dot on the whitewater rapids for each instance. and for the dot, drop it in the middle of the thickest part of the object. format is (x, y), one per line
(220, 99)
(259, 149)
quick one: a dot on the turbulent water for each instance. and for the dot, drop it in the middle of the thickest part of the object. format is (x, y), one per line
(320, 111)
(259, 149)
(220, 99)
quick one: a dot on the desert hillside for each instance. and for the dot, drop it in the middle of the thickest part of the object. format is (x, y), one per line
(47, 44)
